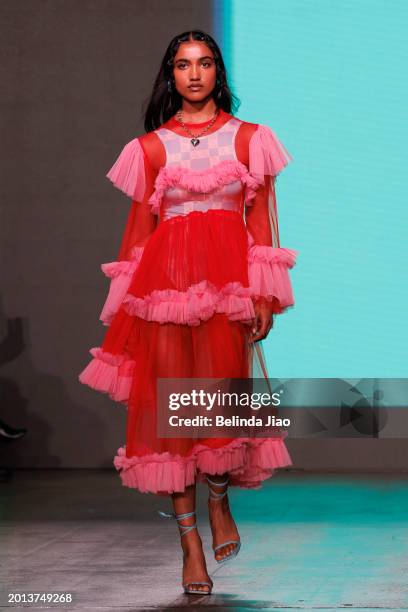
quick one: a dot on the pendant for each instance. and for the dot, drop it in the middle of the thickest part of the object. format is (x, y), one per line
(194, 142)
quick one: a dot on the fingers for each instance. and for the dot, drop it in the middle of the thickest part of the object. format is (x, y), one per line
(262, 326)
(253, 329)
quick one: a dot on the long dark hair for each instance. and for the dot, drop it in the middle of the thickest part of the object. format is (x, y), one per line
(165, 100)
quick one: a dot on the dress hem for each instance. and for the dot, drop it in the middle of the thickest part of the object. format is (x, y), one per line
(248, 461)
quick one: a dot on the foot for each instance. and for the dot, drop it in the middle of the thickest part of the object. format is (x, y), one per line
(194, 563)
(223, 526)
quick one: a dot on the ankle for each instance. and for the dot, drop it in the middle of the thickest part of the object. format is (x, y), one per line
(218, 505)
(192, 538)
(192, 550)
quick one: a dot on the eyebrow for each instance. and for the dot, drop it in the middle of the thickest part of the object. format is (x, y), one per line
(184, 59)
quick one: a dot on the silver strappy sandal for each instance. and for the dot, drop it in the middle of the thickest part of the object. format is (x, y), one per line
(216, 497)
(185, 529)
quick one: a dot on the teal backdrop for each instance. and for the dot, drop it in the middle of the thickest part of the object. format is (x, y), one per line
(328, 78)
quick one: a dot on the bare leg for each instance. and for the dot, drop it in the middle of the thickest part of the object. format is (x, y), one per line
(223, 526)
(194, 564)
(173, 359)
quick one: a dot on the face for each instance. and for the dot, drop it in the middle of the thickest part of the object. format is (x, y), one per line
(194, 65)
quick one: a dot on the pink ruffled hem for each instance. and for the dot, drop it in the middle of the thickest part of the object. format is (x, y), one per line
(268, 273)
(203, 181)
(200, 302)
(111, 374)
(128, 172)
(121, 273)
(249, 461)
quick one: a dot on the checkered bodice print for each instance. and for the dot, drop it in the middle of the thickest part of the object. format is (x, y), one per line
(193, 177)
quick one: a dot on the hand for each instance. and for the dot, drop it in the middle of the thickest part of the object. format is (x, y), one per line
(263, 321)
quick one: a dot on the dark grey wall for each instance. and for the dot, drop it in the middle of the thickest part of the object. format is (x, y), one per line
(73, 78)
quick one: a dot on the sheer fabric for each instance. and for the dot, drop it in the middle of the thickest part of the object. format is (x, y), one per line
(267, 261)
(179, 307)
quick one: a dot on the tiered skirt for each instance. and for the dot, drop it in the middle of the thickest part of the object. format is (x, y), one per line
(187, 313)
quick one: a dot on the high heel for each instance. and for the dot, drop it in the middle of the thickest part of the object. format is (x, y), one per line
(217, 497)
(183, 530)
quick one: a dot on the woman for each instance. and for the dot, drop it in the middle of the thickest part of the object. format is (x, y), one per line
(197, 281)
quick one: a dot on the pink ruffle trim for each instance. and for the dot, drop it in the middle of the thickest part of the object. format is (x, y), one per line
(121, 273)
(111, 374)
(268, 273)
(128, 172)
(267, 156)
(202, 181)
(197, 304)
(249, 461)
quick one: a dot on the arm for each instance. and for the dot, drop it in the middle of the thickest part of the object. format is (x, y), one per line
(141, 221)
(268, 262)
(135, 176)
(259, 232)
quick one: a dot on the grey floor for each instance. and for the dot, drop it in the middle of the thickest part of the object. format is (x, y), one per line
(309, 542)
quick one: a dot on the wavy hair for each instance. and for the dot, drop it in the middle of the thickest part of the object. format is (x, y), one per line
(165, 100)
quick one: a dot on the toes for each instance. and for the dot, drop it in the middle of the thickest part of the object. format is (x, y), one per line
(205, 588)
(199, 587)
(225, 551)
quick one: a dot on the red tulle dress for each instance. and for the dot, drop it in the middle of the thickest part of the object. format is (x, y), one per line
(200, 248)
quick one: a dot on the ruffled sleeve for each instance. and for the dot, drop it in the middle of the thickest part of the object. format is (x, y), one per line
(267, 156)
(120, 274)
(268, 273)
(268, 262)
(133, 174)
(128, 171)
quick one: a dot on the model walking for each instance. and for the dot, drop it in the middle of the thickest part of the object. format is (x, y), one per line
(199, 276)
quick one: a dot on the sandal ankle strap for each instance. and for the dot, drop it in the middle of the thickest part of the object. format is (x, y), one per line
(213, 494)
(219, 484)
(179, 517)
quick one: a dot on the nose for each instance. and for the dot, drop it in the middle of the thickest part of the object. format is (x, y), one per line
(195, 73)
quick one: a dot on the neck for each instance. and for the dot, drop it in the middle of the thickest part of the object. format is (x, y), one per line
(198, 117)
(187, 120)
(197, 114)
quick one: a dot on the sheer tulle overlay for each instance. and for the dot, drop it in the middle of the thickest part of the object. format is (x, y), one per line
(193, 279)
(183, 293)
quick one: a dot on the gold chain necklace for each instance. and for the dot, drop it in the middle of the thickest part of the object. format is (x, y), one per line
(194, 140)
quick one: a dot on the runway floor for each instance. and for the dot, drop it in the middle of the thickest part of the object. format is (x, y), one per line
(309, 542)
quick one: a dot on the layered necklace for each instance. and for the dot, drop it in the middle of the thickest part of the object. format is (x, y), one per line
(195, 140)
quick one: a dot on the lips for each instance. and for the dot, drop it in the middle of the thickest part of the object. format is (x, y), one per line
(195, 86)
